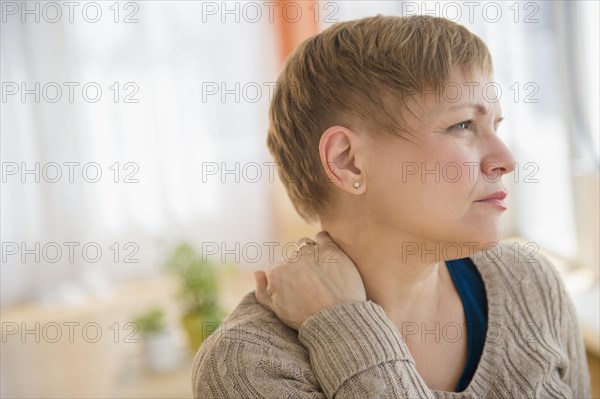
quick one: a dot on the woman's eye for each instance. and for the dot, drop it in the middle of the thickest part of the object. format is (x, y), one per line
(466, 125)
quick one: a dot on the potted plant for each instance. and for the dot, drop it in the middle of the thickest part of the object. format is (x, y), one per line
(159, 341)
(198, 295)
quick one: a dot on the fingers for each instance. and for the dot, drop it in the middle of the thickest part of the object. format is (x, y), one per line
(328, 247)
(261, 280)
(324, 240)
(305, 241)
(322, 237)
(262, 296)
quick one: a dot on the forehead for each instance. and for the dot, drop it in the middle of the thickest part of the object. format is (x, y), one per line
(473, 90)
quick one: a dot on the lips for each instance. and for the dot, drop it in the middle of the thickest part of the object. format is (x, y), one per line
(498, 195)
(495, 199)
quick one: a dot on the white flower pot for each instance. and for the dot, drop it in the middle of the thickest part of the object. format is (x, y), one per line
(162, 354)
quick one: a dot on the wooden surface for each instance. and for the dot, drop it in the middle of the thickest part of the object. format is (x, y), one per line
(594, 365)
(38, 363)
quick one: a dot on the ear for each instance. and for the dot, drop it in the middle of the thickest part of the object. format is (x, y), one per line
(337, 149)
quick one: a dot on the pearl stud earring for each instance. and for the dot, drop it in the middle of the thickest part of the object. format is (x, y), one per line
(356, 184)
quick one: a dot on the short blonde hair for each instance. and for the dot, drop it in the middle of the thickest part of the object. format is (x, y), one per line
(358, 73)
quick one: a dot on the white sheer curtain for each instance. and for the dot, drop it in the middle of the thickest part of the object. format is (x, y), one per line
(163, 61)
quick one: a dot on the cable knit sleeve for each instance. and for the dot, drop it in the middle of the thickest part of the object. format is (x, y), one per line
(356, 352)
(232, 368)
(349, 350)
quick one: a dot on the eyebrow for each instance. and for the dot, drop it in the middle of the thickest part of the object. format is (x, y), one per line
(481, 109)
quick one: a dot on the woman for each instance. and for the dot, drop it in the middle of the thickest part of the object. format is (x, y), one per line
(385, 131)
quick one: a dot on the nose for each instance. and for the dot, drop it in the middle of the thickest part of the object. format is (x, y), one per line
(498, 159)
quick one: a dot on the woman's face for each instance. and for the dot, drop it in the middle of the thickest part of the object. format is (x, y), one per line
(427, 188)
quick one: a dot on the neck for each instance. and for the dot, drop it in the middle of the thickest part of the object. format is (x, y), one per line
(408, 288)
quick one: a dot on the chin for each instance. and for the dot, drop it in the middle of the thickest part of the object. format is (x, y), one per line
(489, 238)
(480, 238)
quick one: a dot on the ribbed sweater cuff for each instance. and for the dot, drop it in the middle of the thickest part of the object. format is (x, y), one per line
(348, 338)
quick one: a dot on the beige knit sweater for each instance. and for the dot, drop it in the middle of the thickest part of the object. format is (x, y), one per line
(533, 347)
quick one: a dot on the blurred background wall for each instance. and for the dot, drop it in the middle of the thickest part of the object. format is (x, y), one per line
(130, 127)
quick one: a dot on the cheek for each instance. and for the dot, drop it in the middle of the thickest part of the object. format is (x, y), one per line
(456, 168)
(442, 188)
(444, 175)
(437, 178)
(426, 186)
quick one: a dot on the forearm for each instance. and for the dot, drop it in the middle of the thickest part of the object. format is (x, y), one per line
(356, 351)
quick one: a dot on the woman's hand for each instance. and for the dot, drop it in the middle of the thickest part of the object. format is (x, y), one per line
(317, 277)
